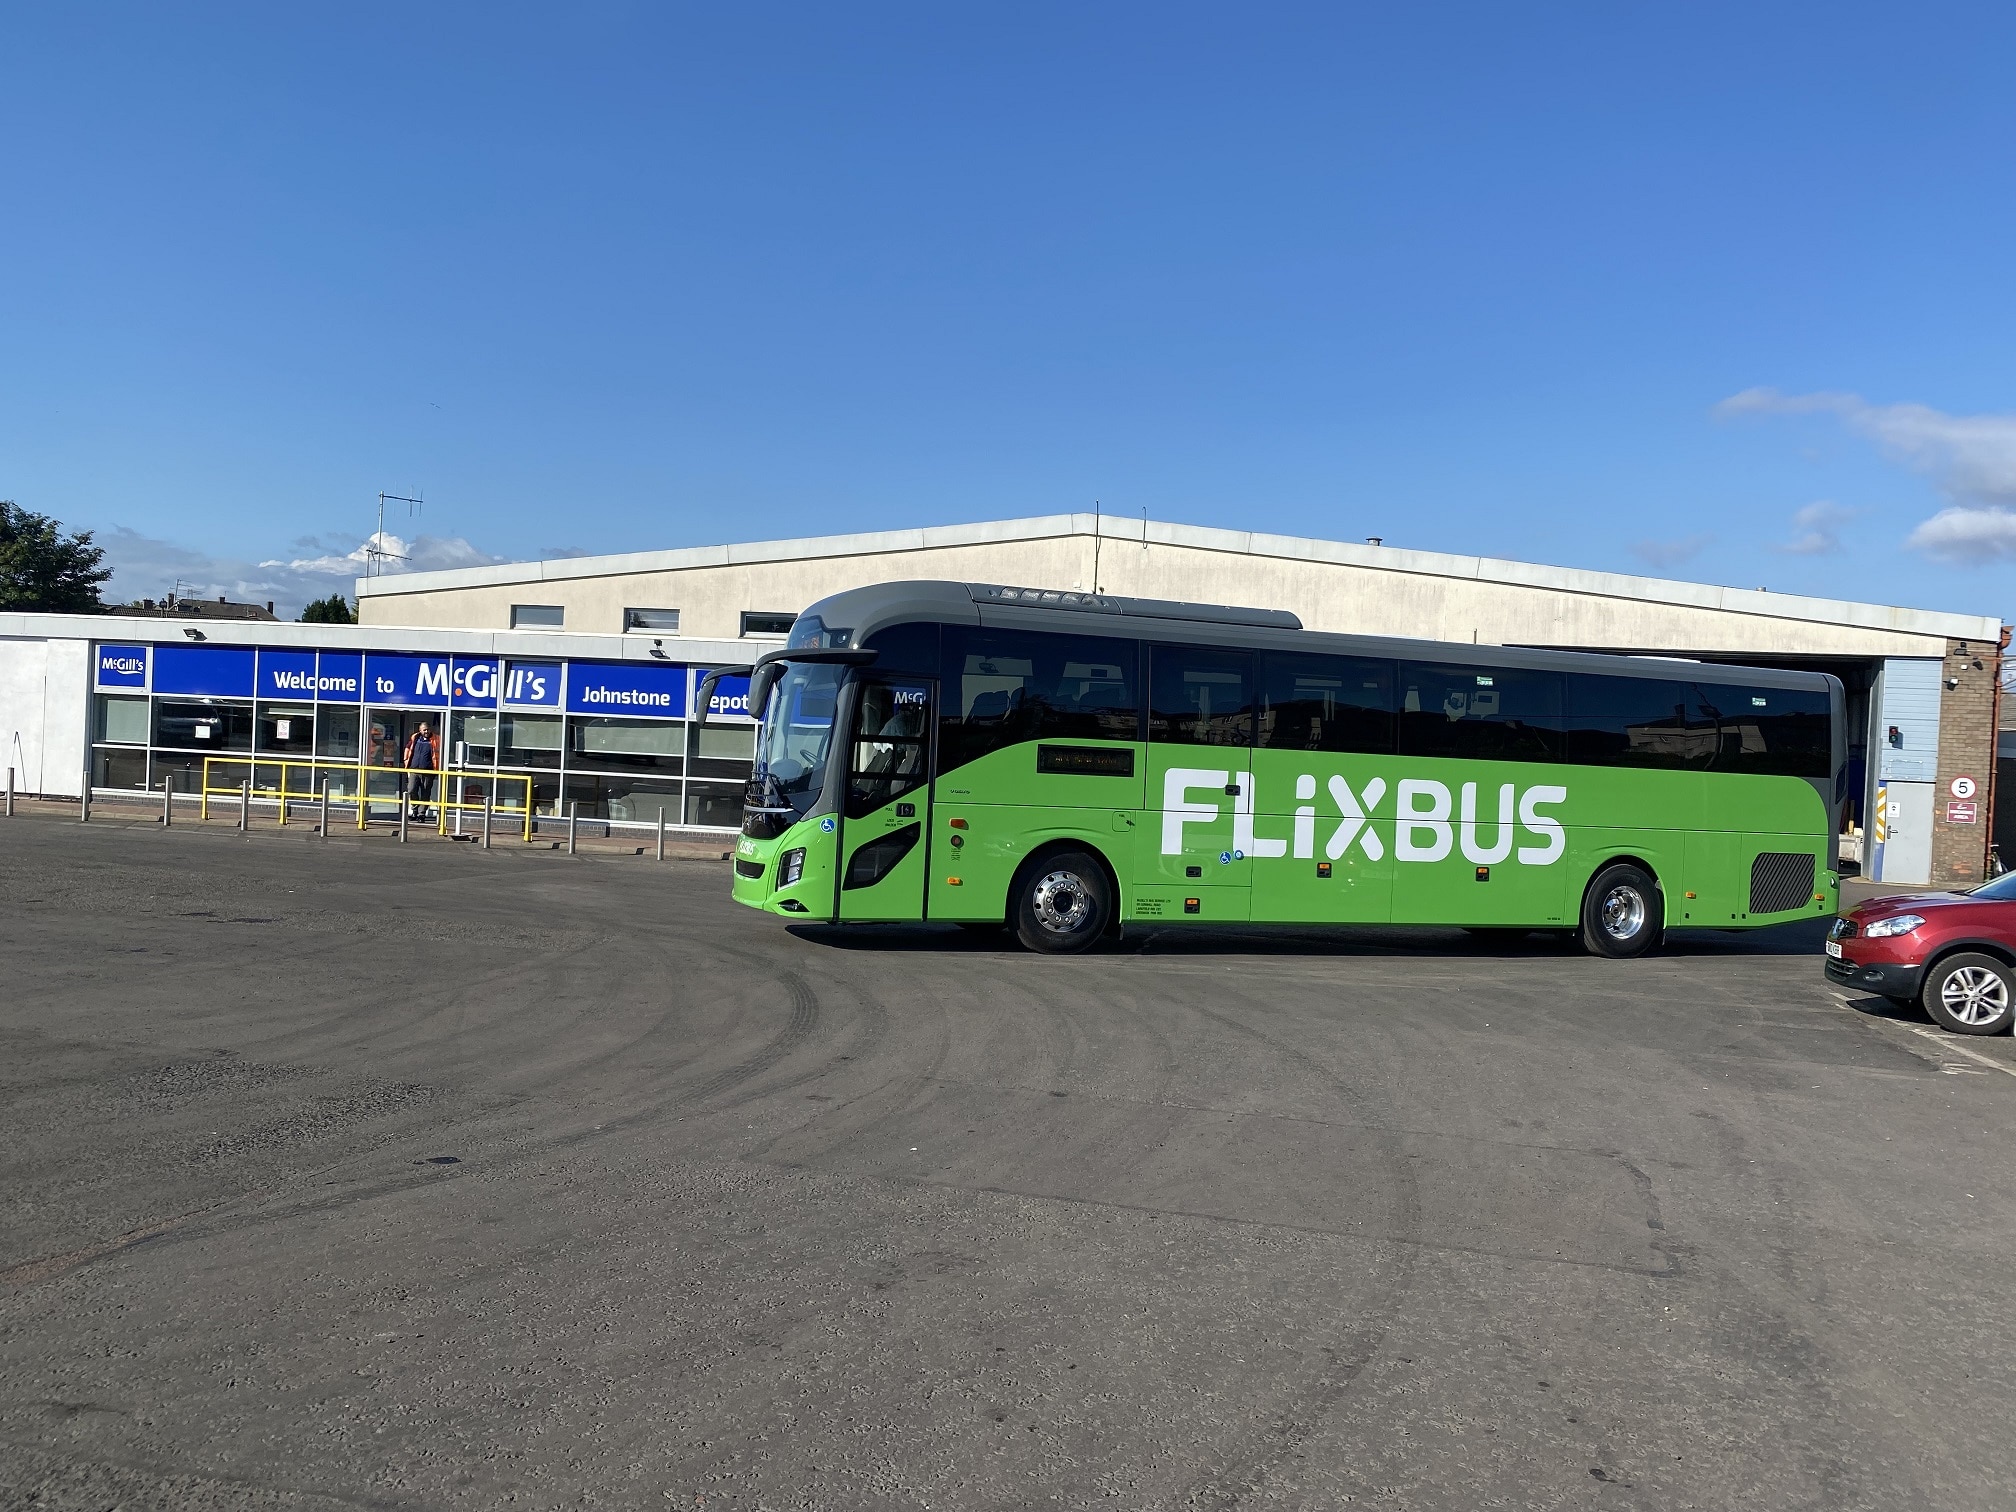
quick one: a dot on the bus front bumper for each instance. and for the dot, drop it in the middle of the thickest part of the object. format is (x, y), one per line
(790, 875)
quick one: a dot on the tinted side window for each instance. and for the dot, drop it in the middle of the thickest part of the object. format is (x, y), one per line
(909, 647)
(1200, 696)
(1325, 703)
(1002, 687)
(1483, 713)
(1638, 722)
(891, 742)
(1783, 732)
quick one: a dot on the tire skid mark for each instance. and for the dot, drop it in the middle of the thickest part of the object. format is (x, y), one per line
(1347, 1355)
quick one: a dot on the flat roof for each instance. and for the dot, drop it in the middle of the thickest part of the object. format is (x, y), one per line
(1616, 585)
(562, 644)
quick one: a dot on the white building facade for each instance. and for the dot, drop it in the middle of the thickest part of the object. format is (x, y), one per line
(1921, 683)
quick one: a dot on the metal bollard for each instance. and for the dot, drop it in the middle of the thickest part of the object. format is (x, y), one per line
(573, 817)
(405, 805)
(10, 792)
(489, 807)
(167, 802)
(325, 808)
(84, 807)
(245, 805)
(661, 832)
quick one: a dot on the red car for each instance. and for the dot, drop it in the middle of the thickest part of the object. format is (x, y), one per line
(1952, 953)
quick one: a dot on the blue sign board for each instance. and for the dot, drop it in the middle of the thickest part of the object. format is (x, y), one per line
(122, 667)
(286, 674)
(204, 671)
(402, 679)
(731, 696)
(473, 684)
(626, 688)
(534, 685)
(339, 676)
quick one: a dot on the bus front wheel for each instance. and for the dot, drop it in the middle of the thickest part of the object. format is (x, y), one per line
(1623, 912)
(1063, 903)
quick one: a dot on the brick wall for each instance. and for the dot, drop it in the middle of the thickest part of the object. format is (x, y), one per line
(1966, 748)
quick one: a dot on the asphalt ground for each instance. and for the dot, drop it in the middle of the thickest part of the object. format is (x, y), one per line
(353, 1175)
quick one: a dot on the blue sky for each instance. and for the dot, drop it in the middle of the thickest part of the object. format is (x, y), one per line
(1720, 291)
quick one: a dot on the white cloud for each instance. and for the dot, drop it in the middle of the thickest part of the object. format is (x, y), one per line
(1664, 556)
(1816, 529)
(146, 567)
(1971, 458)
(1967, 537)
(421, 554)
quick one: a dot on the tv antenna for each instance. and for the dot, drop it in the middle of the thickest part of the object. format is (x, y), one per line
(375, 554)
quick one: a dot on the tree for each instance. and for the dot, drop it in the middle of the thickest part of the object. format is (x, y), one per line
(333, 610)
(41, 569)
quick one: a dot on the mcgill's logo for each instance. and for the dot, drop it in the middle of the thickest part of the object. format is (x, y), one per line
(1428, 820)
(125, 666)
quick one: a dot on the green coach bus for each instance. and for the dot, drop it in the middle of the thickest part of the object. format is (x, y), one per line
(1068, 763)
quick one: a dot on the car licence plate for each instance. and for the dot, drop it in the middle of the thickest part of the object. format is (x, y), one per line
(1834, 949)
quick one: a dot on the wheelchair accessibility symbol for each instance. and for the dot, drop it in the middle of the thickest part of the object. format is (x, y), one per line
(826, 825)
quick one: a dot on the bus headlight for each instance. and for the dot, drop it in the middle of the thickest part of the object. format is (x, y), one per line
(790, 867)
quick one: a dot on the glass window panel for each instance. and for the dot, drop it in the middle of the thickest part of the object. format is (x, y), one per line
(119, 769)
(1479, 713)
(624, 799)
(1637, 722)
(891, 745)
(1326, 703)
(725, 742)
(1784, 732)
(797, 736)
(123, 721)
(529, 740)
(714, 803)
(662, 621)
(203, 724)
(764, 622)
(614, 740)
(383, 740)
(1200, 696)
(286, 729)
(472, 738)
(537, 616)
(1004, 687)
(336, 732)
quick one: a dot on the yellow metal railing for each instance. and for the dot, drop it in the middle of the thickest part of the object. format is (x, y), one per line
(285, 792)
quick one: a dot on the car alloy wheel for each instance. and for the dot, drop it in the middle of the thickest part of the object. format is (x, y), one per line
(1970, 994)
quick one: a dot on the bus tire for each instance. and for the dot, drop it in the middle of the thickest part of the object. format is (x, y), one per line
(1623, 912)
(1063, 903)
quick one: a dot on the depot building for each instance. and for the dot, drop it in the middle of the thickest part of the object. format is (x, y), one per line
(575, 678)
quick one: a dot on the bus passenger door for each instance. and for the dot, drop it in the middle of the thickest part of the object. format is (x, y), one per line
(886, 823)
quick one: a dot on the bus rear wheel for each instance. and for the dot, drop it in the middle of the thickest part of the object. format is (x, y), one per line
(1623, 912)
(1063, 903)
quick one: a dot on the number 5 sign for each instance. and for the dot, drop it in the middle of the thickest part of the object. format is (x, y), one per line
(1961, 787)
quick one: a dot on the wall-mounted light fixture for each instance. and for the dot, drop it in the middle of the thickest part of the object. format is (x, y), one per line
(658, 650)
(192, 632)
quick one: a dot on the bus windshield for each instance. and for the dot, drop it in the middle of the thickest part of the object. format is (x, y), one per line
(797, 733)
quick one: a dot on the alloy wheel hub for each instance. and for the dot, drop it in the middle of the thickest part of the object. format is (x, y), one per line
(1062, 902)
(1623, 912)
